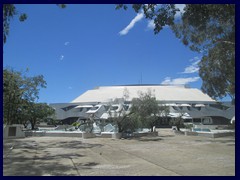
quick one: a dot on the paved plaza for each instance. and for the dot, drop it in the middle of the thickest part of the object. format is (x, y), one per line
(165, 155)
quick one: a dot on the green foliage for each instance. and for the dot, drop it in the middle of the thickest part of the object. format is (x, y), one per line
(50, 120)
(119, 6)
(188, 126)
(12, 95)
(145, 110)
(178, 122)
(23, 17)
(38, 111)
(163, 15)
(203, 25)
(205, 28)
(218, 72)
(62, 5)
(76, 124)
(9, 12)
(19, 95)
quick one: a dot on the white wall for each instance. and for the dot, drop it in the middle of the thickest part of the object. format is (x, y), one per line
(18, 133)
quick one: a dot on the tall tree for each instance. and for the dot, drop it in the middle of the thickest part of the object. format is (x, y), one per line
(205, 28)
(146, 109)
(12, 95)
(19, 93)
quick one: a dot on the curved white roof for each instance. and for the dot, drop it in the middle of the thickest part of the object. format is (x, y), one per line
(162, 93)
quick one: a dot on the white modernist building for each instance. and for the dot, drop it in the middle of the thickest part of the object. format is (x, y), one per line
(190, 104)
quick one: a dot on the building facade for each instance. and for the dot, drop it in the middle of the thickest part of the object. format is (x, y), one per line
(189, 104)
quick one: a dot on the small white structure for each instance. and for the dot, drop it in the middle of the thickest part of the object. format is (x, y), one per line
(13, 131)
(233, 120)
(96, 111)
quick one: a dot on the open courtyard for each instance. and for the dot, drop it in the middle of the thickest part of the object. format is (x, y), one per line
(165, 155)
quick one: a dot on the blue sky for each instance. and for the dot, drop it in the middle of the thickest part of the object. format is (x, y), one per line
(84, 46)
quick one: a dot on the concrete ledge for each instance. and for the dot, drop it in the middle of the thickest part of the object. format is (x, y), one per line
(206, 134)
(210, 134)
(106, 134)
(190, 133)
(63, 134)
(136, 134)
(28, 133)
(53, 134)
(216, 135)
(117, 135)
(86, 135)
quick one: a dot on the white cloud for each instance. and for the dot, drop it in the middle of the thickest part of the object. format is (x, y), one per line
(137, 18)
(180, 7)
(61, 57)
(190, 69)
(179, 81)
(151, 24)
(70, 87)
(193, 68)
(66, 43)
(196, 58)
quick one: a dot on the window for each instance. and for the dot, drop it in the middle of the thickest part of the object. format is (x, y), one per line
(114, 108)
(125, 107)
(218, 106)
(198, 108)
(175, 108)
(95, 108)
(197, 120)
(187, 120)
(12, 131)
(68, 108)
(207, 120)
(88, 108)
(106, 107)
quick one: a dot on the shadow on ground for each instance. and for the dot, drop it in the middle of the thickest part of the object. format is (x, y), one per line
(223, 141)
(149, 139)
(27, 158)
(42, 168)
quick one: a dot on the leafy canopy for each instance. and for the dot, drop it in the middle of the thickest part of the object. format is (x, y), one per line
(146, 109)
(20, 94)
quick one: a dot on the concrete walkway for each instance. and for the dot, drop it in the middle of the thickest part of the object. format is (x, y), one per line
(165, 155)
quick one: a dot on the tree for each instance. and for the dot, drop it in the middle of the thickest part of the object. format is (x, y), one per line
(19, 95)
(178, 122)
(9, 12)
(218, 72)
(146, 109)
(163, 113)
(38, 111)
(205, 28)
(12, 95)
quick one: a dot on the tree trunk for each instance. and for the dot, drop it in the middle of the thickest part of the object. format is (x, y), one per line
(151, 128)
(32, 124)
(178, 128)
